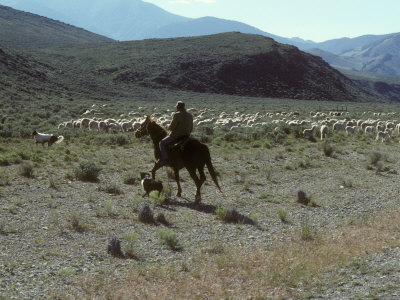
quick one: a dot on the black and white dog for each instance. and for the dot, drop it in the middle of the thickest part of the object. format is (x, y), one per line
(150, 184)
(46, 138)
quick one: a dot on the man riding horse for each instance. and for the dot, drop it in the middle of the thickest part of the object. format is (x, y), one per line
(192, 154)
(181, 126)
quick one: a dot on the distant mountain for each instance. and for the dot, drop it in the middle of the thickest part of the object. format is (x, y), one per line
(339, 46)
(24, 31)
(380, 56)
(117, 19)
(334, 60)
(127, 20)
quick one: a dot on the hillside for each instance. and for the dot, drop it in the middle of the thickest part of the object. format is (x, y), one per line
(335, 60)
(230, 63)
(16, 68)
(24, 31)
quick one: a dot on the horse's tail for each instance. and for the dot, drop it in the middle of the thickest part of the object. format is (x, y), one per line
(59, 139)
(211, 169)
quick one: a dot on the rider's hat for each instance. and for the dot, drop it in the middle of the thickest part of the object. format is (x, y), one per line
(180, 105)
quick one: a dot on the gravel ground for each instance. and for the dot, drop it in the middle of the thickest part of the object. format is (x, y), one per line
(374, 278)
(42, 254)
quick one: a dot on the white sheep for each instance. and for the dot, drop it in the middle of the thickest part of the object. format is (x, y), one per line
(126, 126)
(382, 135)
(93, 125)
(369, 129)
(339, 126)
(324, 131)
(398, 128)
(103, 126)
(350, 129)
(85, 123)
(309, 132)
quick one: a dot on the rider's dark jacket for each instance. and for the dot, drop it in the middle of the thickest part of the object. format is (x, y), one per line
(182, 124)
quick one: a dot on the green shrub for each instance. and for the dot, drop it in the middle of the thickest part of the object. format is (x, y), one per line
(307, 232)
(282, 214)
(78, 222)
(4, 178)
(111, 188)
(328, 149)
(130, 178)
(112, 139)
(26, 169)
(131, 245)
(87, 171)
(232, 216)
(109, 208)
(9, 159)
(375, 157)
(169, 239)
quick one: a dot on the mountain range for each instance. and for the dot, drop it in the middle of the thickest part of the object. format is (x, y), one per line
(59, 58)
(126, 20)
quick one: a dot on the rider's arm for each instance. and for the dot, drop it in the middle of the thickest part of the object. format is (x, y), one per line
(173, 124)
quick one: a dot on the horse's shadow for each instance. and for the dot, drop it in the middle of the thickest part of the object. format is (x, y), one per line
(200, 207)
(208, 209)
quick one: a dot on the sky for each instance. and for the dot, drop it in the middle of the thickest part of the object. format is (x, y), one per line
(316, 20)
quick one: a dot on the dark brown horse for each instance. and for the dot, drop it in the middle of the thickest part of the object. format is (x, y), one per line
(194, 156)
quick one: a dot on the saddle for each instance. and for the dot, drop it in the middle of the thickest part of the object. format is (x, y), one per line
(180, 143)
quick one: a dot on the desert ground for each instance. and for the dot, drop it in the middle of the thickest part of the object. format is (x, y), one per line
(344, 242)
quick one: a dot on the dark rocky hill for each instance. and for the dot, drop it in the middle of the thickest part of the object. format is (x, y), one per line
(229, 63)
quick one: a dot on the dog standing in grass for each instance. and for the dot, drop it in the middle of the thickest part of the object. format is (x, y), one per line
(47, 138)
(150, 184)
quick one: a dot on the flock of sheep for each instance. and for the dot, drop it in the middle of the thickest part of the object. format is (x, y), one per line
(322, 124)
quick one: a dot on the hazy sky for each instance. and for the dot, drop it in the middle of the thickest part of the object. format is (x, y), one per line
(316, 20)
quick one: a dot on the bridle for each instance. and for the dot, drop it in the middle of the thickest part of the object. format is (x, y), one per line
(143, 129)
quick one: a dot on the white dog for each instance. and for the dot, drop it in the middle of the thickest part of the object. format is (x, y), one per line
(47, 138)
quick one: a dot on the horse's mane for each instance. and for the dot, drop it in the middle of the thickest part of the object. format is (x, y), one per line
(158, 130)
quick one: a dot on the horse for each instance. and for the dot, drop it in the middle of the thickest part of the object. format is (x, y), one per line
(193, 155)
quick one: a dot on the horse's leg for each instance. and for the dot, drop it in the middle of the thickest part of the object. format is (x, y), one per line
(154, 170)
(202, 175)
(198, 183)
(176, 172)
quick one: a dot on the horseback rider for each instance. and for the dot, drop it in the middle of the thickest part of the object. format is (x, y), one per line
(181, 126)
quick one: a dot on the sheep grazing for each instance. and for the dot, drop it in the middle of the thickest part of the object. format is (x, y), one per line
(339, 126)
(398, 128)
(384, 135)
(309, 132)
(324, 132)
(103, 126)
(47, 138)
(350, 129)
(85, 123)
(93, 125)
(369, 129)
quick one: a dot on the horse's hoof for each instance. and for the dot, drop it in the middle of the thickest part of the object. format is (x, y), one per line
(179, 195)
(197, 199)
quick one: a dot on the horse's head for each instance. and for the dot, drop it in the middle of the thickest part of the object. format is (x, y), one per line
(142, 130)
